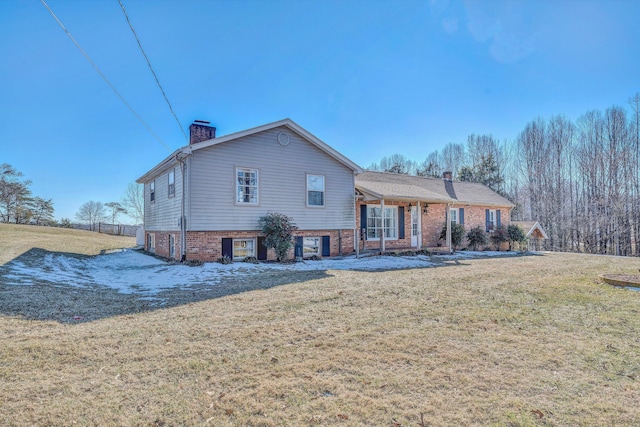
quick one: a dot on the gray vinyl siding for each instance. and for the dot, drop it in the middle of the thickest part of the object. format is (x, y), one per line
(164, 213)
(282, 185)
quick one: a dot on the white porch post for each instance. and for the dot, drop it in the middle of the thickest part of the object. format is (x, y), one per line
(382, 228)
(448, 220)
(419, 225)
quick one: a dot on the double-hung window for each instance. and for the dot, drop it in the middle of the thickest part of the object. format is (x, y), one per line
(152, 191)
(246, 186)
(453, 212)
(171, 191)
(376, 226)
(491, 220)
(315, 190)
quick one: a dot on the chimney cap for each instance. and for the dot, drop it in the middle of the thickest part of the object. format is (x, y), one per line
(204, 122)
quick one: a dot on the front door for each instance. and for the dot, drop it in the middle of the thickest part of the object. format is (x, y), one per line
(414, 227)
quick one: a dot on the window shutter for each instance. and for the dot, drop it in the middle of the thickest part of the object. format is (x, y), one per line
(486, 222)
(400, 222)
(498, 218)
(461, 216)
(262, 249)
(363, 218)
(298, 250)
(227, 247)
(326, 246)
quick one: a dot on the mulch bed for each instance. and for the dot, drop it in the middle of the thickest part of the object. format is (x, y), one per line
(622, 279)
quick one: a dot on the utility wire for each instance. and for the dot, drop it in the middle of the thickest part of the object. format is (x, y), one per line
(152, 72)
(88, 58)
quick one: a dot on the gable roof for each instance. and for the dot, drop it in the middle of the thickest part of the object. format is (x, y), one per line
(288, 123)
(377, 185)
(529, 227)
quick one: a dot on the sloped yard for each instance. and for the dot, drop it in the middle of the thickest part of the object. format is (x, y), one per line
(519, 341)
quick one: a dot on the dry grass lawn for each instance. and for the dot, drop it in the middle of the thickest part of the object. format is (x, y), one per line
(523, 341)
(15, 240)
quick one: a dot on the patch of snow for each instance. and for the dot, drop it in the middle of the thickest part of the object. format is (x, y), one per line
(131, 272)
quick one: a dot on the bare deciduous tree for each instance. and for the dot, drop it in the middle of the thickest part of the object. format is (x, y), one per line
(133, 202)
(91, 213)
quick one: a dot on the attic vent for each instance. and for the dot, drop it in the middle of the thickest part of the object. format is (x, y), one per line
(283, 138)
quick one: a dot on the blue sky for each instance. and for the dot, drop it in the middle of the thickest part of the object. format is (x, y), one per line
(370, 78)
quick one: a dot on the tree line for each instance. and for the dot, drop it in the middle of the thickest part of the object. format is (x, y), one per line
(580, 179)
(19, 206)
(17, 203)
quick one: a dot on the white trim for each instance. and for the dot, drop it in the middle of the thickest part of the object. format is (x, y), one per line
(324, 190)
(160, 167)
(254, 248)
(236, 185)
(169, 193)
(382, 229)
(318, 243)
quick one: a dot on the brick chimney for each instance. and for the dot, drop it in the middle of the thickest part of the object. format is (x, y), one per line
(447, 176)
(201, 131)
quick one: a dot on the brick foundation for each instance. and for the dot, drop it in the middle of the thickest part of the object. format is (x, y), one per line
(206, 246)
(161, 242)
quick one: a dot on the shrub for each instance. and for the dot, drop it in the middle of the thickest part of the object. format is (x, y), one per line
(225, 259)
(277, 230)
(477, 237)
(251, 260)
(457, 234)
(516, 235)
(499, 236)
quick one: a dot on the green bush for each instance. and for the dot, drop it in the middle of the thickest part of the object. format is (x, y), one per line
(499, 235)
(225, 259)
(477, 237)
(278, 230)
(457, 234)
(516, 235)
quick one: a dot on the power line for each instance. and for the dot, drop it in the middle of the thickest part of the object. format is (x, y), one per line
(152, 72)
(88, 58)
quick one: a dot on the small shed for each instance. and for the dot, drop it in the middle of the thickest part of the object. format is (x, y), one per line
(533, 232)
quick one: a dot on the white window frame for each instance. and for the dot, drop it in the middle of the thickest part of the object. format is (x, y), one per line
(249, 244)
(151, 242)
(374, 223)
(454, 215)
(241, 188)
(311, 246)
(172, 246)
(492, 220)
(309, 190)
(171, 186)
(152, 191)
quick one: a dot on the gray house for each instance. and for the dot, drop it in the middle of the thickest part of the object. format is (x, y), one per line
(204, 200)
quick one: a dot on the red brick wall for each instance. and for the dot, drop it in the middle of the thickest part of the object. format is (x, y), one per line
(162, 243)
(206, 246)
(432, 223)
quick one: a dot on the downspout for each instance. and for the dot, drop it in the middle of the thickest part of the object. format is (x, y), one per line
(183, 222)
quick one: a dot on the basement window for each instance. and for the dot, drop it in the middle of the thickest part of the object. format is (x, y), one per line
(311, 246)
(243, 248)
